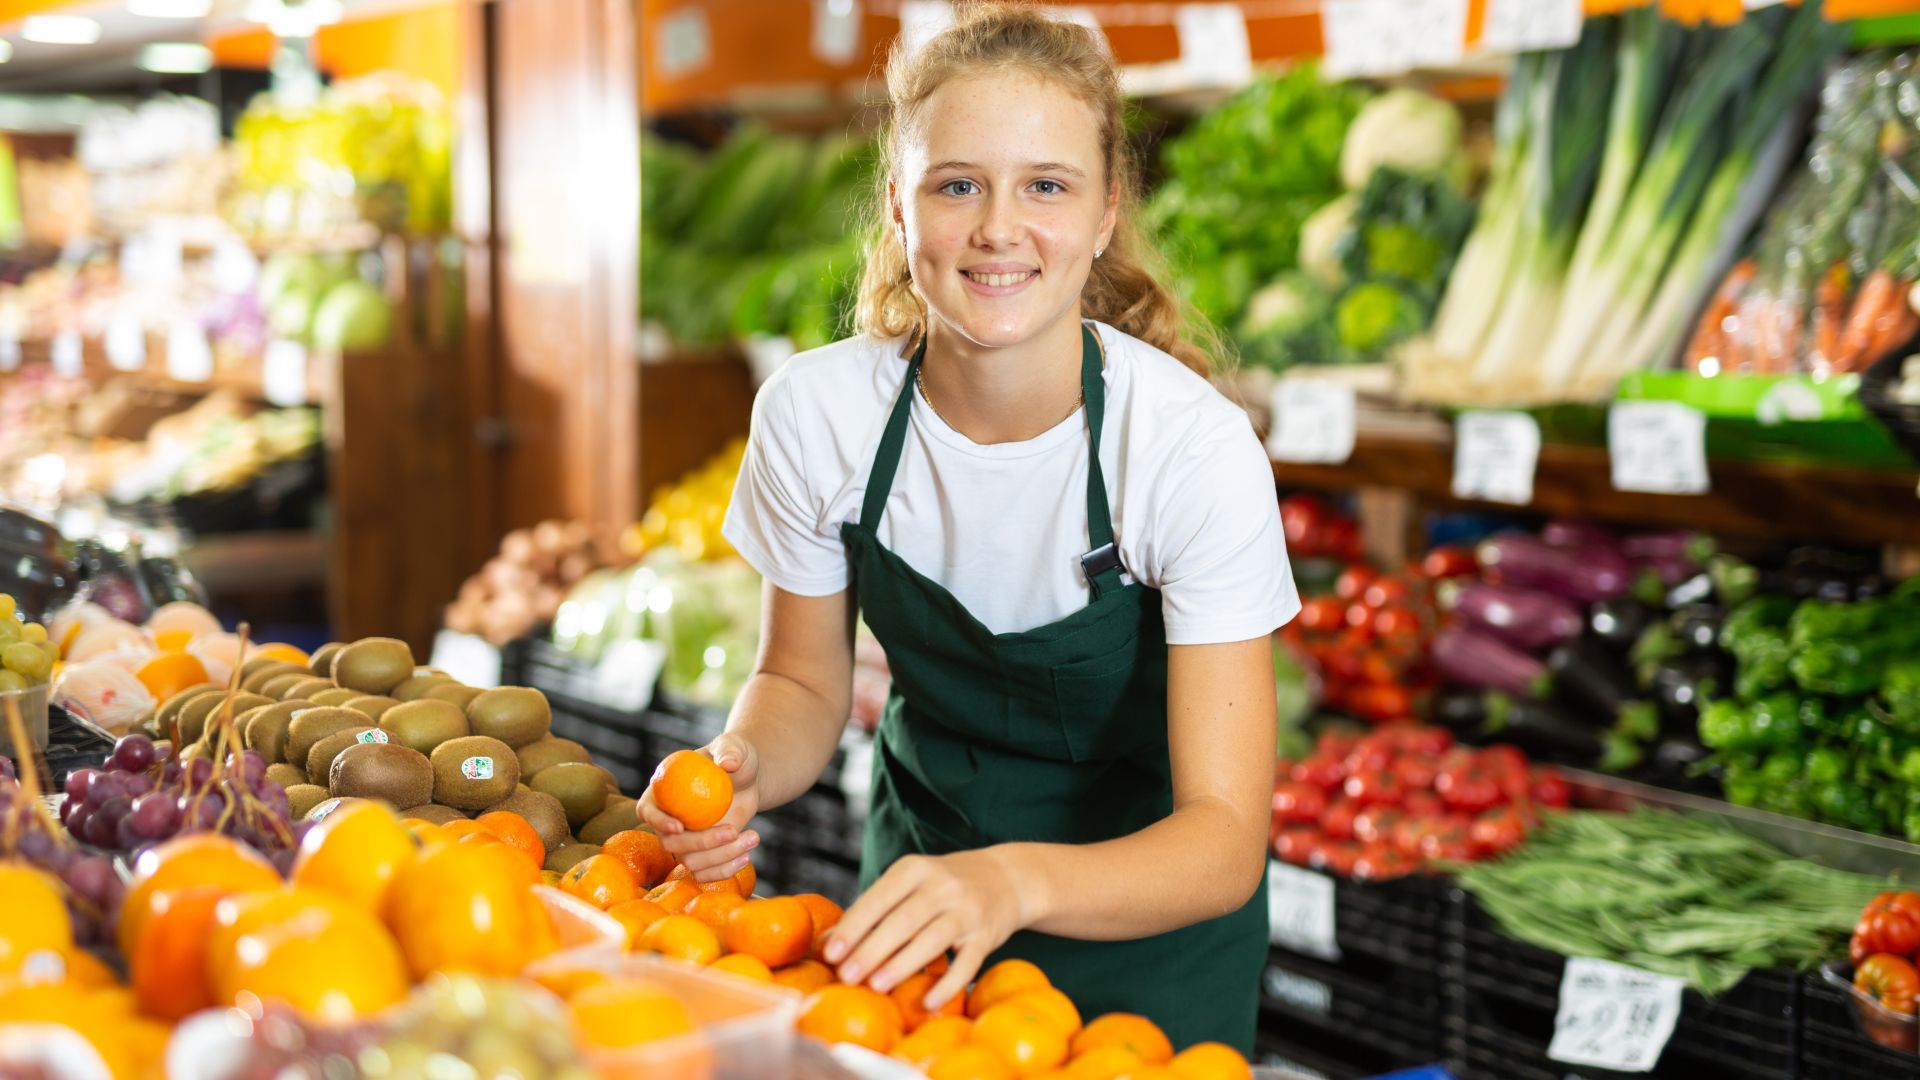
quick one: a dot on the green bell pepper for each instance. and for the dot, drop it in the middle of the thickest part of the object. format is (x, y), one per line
(1827, 765)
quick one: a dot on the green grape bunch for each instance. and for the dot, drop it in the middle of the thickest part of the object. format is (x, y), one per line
(26, 655)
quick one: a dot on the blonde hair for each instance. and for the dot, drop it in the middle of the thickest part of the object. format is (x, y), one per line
(1123, 289)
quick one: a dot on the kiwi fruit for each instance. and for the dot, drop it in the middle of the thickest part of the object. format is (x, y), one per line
(542, 811)
(320, 758)
(286, 775)
(416, 687)
(277, 687)
(562, 859)
(373, 705)
(325, 807)
(457, 693)
(619, 815)
(163, 717)
(266, 673)
(336, 697)
(306, 688)
(400, 775)
(200, 713)
(373, 665)
(322, 660)
(433, 812)
(144, 722)
(516, 715)
(308, 726)
(243, 723)
(541, 754)
(254, 666)
(425, 724)
(581, 788)
(473, 772)
(266, 733)
(302, 798)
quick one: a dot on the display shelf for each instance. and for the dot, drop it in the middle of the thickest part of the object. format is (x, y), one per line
(259, 561)
(242, 376)
(1749, 498)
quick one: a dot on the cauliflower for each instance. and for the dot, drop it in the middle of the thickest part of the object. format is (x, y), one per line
(1402, 128)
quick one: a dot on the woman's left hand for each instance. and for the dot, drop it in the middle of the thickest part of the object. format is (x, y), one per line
(969, 902)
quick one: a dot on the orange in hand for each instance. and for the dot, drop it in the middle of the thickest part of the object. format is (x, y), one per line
(1002, 981)
(851, 1014)
(682, 937)
(643, 853)
(1024, 1037)
(516, 832)
(910, 997)
(689, 786)
(600, 880)
(778, 931)
(1136, 1034)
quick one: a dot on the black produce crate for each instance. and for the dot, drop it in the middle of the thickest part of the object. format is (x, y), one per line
(1324, 1055)
(1403, 921)
(1832, 1046)
(1505, 994)
(1399, 1009)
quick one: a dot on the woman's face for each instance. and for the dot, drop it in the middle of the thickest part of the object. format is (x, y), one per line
(1002, 197)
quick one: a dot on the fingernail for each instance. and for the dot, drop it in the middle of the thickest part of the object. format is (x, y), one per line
(851, 974)
(835, 950)
(752, 840)
(883, 983)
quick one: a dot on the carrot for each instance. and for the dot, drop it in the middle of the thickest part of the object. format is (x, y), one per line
(1876, 296)
(1829, 313)
(1896, 327)
(1710, 338)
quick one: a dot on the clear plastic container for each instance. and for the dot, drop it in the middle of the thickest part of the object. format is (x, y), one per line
(32, 703)
(1900, 1031)
(579, 924)
(745, 1028)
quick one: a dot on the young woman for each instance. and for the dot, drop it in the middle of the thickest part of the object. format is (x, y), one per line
(1067, 542)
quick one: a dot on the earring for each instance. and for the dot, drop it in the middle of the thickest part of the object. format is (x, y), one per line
(1097, 251)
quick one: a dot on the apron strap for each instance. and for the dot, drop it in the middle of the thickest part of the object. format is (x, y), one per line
(1102, 563)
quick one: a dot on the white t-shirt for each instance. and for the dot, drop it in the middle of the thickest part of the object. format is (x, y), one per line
(1002, 527)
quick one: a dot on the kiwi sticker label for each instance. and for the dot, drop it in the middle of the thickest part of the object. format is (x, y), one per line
(298, 713)
(374, 736)
(477, 768)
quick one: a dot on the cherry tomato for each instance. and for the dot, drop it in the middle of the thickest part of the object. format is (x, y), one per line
(1376, 824)
(1322, 770)
(1373, 753)
(1342, 539)
(1395, 622)
(1298, 803)
(1304, 520)
(1336, 857)
(1410, 834)
(1449, 561)
(1380, 702)
(1414, 772)
(1468, 785)
(1497, 831)
(1322, 615)
(1338, 821)
(1381, 666)
(1551, 789)
(1337, 740)
(1374, 787)
(1353, 583)
(1425, 739)
(1360, 619)
(1385, 591)
(1296, 843)
(1423, 804)
(1503, 758)
(1380, 862)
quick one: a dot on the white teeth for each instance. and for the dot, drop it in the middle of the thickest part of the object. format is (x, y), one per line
(1000, 279)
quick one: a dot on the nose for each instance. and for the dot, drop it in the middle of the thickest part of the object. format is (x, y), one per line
(1000, 225)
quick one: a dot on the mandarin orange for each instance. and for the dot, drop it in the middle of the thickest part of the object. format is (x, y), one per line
(851, 1014)
(682, 937)
(805, 976)
(636, 916)
(1025, 1037)
(1210, 1061)
(713, 908)
(968, 1062)
(600, 880)
(1002, 981)
(777, 930)
(1137, 1034)
(910, 997)
(516, 832)
(743, 965)
(689, 786)
(643, 853)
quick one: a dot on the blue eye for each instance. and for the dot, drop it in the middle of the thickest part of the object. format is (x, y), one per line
(1053, 187)
(950, 186)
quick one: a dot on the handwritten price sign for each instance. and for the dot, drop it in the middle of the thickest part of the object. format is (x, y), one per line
(1300, 911)
(1613, 1016)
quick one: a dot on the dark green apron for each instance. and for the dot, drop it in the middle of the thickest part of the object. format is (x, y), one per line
(1056, 734)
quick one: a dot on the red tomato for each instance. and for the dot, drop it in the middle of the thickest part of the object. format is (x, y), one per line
(1374, 787)
(1360, 619)
(1889, 980)
(1304, 519)
(1500, 758)
(1376, 824)
(1379, 862)
(1424, 739)
(1395, 622)
(1322, 615)
(1497, 831)
(1353, 583)
(1338, 740)
(1890, 924)
(1341, 662)
(1373, 753)
(1342, 539)
(1336, 857)
(1385, 591)
(1414, 772)
(1381, 666)
(1410, 834)
(1423, 804)
(1380, 702)
(1449, 561)
(1338, 821)
(1468, 785)
(1322, 770)
(1551, 789)
(1296, 843)
(1298, 803)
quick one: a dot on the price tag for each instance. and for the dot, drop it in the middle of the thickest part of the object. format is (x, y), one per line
(1312, 421)
(68, 355)
(836, 30)
(126, 343)
(9, 351)
(1214, 50)
(1300, 911)
(923, 20)
(685, 42)
(283, 373)
(467, 658)
(1387, 37)
(1527, 25)
(1613, 1016)
(189, 354)
(625, 676)
(1658, 447)
(1494, 455)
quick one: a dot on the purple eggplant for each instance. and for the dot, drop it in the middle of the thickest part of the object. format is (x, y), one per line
(1469, 657)
(1587, 573)
(1525, 618)
(1577, 534)
(1689, 547)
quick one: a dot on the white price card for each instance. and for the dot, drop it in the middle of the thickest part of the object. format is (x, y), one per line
(283, 373)
(126, 343)
(836, 30)
(1214, 50)
(626, 674)
(9, 350)
(1312, 421)
(467, 658)
(189, 353)
(1658, 447)
(1387, 37)
(1526, 25)
(684, 42)
(69, 355)
(1494, 455)
(921, 21)
(1300, 911)
(1613, 1016)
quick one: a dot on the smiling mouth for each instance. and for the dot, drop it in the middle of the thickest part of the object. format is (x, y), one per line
(997, 280)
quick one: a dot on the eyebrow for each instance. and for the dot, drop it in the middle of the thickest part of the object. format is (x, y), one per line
(1038, 166)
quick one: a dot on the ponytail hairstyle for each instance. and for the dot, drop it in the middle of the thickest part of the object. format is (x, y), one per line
(1123, 288)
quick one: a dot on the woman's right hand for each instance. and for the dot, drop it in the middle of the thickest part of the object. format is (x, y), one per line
(721, 851)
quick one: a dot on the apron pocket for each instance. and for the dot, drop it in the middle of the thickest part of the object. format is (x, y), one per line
(1110, 706)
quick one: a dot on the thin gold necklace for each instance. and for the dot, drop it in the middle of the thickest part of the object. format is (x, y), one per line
(920, 378)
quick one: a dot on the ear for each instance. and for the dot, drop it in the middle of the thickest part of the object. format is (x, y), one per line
(893, 206)
(1110, 217)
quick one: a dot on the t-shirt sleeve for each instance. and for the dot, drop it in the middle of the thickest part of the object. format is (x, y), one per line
(1222, 557)
(775, 519)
